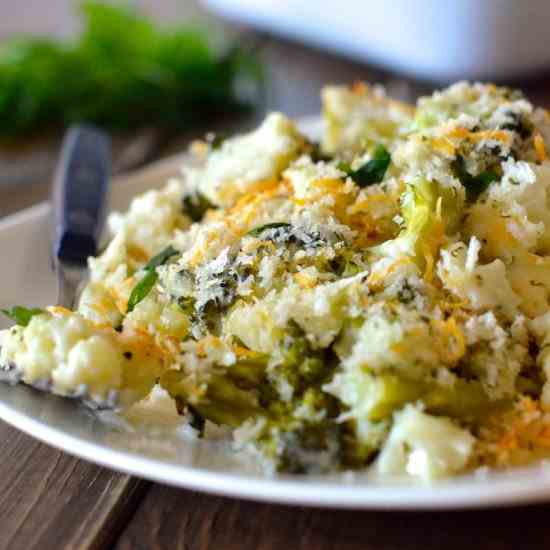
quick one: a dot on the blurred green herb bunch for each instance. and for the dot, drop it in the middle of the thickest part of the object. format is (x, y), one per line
(121, 72)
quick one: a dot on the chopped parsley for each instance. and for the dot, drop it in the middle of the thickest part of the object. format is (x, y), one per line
(373, 171)
(474, 185)
(161, 258)
(142, 289)
(22, 315)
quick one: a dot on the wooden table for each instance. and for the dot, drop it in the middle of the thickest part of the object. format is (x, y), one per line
(49, 500)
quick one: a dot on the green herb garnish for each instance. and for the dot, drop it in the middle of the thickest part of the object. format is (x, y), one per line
(122, 72)
(257, 231)
(474, 185)
(161, 258)
(142, 289)
(22, 315)
(373, 171)
(196, 205)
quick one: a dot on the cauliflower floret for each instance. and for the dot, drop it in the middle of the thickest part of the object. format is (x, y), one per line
(521, 197)
(483, 286)
(245, 161)
(107, 287)
(304, 174)
(402, 340)
(355, 116)
(471, 103)
(497, 355)
(255, 325)
(70, 352)
(515, 217)
(536, 201)
(513, 225)
(161, 319)
(424, 446)
(541, 328)
(151, 222)
(321, 311)
(98, 304)
(529, 276)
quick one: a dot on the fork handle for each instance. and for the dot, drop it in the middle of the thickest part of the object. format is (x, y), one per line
(79, 195)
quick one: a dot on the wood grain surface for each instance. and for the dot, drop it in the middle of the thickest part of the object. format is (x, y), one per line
(172, 519)
(50, 500)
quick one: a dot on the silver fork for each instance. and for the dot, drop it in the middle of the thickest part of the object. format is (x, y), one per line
(79, 205)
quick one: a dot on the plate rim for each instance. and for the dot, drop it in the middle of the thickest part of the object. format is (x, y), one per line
(456, 494)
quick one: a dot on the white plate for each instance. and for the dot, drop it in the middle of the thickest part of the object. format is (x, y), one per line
(210, 466)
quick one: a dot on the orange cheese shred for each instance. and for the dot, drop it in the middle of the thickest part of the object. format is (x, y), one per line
(540, 147)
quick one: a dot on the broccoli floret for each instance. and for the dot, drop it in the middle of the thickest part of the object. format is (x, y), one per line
(228, 395)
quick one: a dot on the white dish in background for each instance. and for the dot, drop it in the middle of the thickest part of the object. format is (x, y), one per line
(432, 39)
(166, 454)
